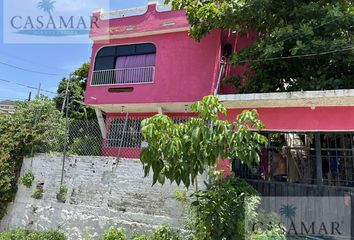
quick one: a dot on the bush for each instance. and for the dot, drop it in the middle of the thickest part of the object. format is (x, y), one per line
(269, 235)
(114, 234)
(37, 193)
(31, 235)
(27, 179)
(61, 196)
(139, 237)
(181, 195)
(19, 135)
(220, 211)
(166, 233)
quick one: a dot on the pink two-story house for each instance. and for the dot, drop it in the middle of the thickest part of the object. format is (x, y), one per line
(143, 62)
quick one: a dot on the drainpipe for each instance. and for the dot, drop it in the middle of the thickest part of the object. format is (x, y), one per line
(222, 66)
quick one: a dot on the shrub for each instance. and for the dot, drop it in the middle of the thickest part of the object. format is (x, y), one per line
(219, 212)
(61, 196)
(166, 233)
(37, 193)
(19, 135)
(181, 195)
(27, 179)
(114, 234)
(273, 234)
(139, 237)
(31, 235)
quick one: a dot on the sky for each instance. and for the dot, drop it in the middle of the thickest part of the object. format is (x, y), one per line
(56, 59)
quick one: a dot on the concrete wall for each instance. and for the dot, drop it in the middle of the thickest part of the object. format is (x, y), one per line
(99, 196)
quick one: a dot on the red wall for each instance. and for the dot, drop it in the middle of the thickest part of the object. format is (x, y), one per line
(238, 43)
(126, 152)
(304, 118)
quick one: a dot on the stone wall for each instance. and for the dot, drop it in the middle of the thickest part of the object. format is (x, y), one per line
(100, 195)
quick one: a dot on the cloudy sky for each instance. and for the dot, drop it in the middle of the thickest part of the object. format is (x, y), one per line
(58, 60)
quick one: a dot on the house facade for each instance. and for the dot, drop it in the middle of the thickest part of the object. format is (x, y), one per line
(143, 63)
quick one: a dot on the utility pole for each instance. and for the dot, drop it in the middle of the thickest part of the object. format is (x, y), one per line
(39, 91)
(66, 101)
(66, 92)
(29, 96)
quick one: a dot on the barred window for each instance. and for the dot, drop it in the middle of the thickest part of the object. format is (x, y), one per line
(125, 134)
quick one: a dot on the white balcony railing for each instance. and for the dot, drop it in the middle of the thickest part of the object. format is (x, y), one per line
(123, 76)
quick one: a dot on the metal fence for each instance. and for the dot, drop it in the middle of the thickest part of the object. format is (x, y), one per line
(123, 138)
(295, 158)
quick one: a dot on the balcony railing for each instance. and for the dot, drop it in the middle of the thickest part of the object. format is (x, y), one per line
(123, 76)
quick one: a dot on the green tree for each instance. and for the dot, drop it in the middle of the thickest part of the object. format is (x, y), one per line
(179, 152)
(291, 34)
(77, 87)
(34, 127)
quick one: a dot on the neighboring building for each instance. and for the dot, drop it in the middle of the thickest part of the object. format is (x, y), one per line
(7, 107)
(144, 62)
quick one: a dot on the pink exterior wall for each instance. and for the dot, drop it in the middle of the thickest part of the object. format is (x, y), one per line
(185, 70)
(304, 118)
(149, 22)
(238, 43)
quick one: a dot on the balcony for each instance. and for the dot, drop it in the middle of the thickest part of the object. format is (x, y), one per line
(123, 76)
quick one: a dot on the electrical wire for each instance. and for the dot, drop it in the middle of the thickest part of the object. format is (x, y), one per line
(27, 61)
(27, 86)
(29, 70)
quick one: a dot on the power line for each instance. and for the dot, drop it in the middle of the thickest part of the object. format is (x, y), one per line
(297, 56)
(29, 70)
(27, 86)
(28, 61)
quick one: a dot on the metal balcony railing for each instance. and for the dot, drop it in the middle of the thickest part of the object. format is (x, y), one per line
(123, 76)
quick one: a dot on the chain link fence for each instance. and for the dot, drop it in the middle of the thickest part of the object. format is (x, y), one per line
(123, 138)
(289, 157)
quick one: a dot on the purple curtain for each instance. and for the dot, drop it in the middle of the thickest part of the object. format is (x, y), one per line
(131, 69)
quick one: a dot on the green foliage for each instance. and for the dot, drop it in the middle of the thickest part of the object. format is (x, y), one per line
(219, 212)
(27, 179)
(37, 193)
(114, 234)
(165, 232)
(61, 196)
(139, 237)
(36, 125)
(86, 146)
(31, 235)
(77, 89)
(179, 152)
(268, 235)
(63, 190)
(181, 195)
(286, 29)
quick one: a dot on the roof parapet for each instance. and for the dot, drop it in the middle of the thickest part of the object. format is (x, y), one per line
(132, 11)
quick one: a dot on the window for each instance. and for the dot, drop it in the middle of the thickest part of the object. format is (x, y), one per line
(125, 134)
(125, 64)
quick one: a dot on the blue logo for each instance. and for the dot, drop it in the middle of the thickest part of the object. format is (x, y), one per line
(52, 25)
